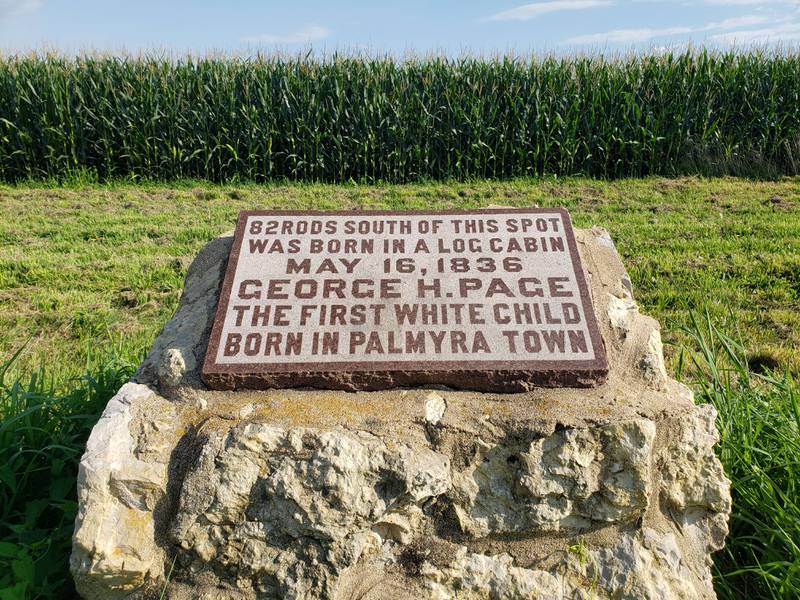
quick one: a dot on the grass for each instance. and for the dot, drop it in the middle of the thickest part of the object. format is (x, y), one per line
(89, 274)
(91, 268)
(42, 436)
(759, 423)
(379, 119)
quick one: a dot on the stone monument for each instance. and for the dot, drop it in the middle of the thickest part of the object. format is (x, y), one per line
(494, 302)
(403, 405)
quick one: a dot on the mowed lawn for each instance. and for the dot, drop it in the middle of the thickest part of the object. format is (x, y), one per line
(86, 272)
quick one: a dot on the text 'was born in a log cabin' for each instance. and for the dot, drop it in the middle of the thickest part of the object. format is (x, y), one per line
(494, 299)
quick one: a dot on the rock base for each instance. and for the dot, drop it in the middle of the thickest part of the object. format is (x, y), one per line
(608, 492)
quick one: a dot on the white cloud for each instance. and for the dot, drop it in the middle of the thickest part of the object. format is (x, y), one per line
(307, 34)
(749, 2)
(735, 22)
(531, 11)
(760, 4)
(644, 34)
(630, 36)
(786, 32)
(13, 8)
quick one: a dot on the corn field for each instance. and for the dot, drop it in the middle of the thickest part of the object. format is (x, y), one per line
(341, 119)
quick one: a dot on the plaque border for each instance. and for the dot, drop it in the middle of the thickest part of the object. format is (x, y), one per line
(236, 375)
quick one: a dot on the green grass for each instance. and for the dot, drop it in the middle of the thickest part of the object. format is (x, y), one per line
(42, 436)
(759, 423)
(88, 269)
(90, 272)
(379, 119)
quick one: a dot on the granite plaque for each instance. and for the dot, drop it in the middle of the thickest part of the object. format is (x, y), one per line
(491, 300)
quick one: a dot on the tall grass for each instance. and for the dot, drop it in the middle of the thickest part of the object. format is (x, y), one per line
(380, 119)
(42, 435)
(43, 431)
(759, 424)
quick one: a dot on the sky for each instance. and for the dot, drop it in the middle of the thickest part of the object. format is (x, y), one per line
(450, 27)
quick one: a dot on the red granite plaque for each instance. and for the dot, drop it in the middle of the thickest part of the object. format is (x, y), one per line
(490, 300)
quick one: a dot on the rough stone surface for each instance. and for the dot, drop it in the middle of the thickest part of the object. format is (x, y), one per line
(571, 479)
(610, 492)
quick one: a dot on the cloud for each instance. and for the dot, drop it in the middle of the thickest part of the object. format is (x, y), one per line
(760, 4)
(749, 2)
(630, 36)
(786, 32)
(527, 12)
(644, 34)
(13, 8)
(307, 34)
(735, 22)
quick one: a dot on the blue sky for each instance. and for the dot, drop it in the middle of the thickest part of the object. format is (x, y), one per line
(449, 26)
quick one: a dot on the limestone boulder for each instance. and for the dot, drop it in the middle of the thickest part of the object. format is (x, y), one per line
(606, 492)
